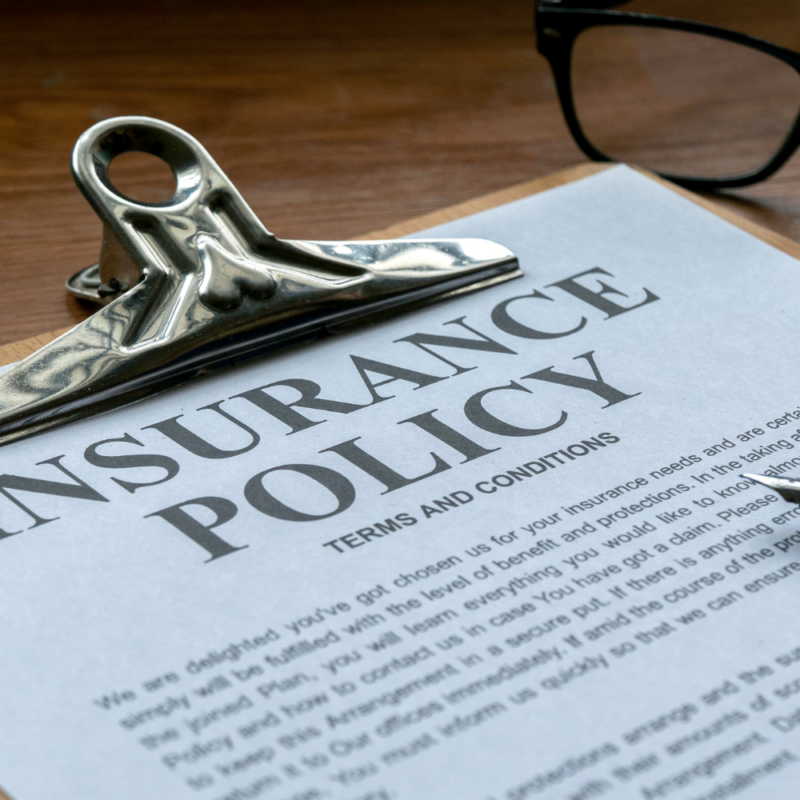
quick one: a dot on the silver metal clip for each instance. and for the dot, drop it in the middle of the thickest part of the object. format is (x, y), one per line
(196, 283)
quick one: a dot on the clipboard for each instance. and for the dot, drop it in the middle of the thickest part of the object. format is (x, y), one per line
(16, 351)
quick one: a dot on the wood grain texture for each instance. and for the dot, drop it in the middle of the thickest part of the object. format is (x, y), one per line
(331, 118)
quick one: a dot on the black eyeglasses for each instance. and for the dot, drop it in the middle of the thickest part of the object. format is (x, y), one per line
(705, 107)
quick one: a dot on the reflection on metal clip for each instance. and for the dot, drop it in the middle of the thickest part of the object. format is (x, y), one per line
(196, 283)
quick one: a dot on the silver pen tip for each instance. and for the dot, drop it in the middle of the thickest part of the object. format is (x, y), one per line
(787, 488)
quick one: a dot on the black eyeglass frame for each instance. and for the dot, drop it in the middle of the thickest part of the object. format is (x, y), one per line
(557, 25)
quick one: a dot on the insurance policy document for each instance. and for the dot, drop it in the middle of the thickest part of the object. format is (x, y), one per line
(498, 549)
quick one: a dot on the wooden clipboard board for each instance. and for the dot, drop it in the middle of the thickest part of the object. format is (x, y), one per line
(15, 351)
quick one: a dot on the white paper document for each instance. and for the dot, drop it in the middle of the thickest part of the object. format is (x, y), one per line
(498, 549)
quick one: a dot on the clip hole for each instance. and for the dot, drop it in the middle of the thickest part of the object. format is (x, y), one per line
(142, 177)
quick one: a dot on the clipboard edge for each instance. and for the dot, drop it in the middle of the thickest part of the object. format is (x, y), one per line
(14, 351)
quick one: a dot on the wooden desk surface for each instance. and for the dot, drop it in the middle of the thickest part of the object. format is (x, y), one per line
(332, 118)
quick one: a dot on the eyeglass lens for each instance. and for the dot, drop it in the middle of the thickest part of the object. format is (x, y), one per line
(694, 105)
